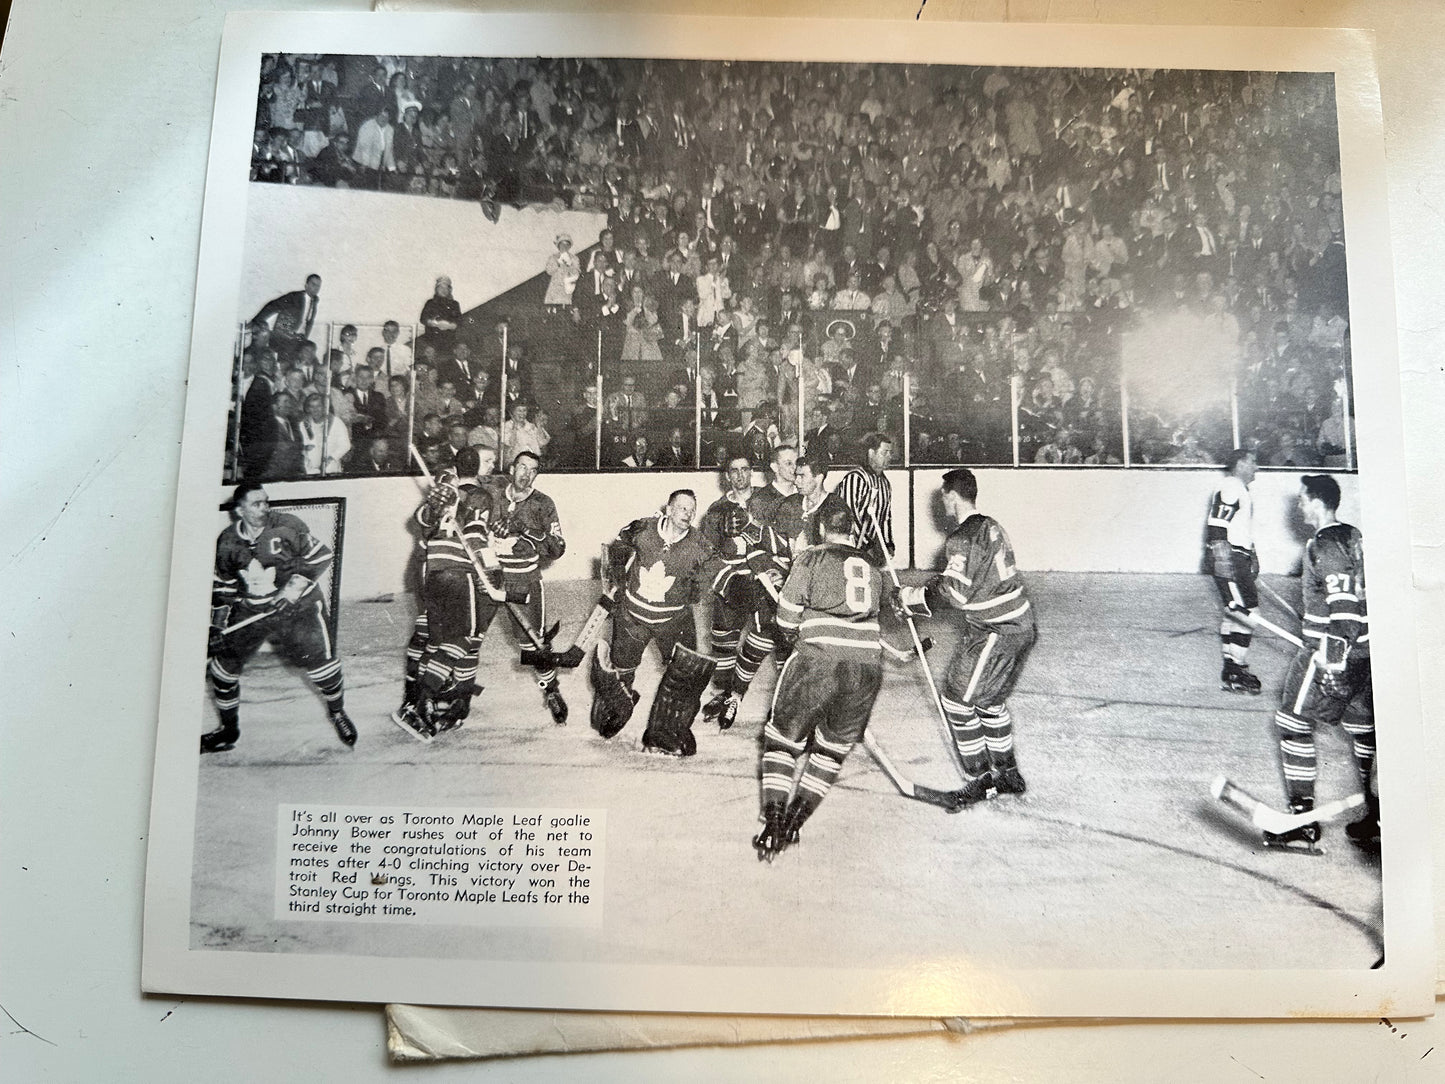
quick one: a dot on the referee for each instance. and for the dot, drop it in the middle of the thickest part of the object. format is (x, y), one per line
(866, 493)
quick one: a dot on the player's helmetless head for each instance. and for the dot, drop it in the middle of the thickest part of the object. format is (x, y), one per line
(960, 492)
(810, 477)
(524, 470)
(837, 525)
(1242, 464)
(785, 463)
(1319, 500)
(680, 508)
(251, 505)
(739, 473)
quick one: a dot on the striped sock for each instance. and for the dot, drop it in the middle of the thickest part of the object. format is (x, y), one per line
(998, 735)
(1363, 734)
(751, 653)
(328, 681)
(1296, 756)
(968, 736)
(226, 687)
(820, 772)
(780, 766)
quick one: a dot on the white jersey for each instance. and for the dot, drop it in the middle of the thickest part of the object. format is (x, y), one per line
(1232, 512)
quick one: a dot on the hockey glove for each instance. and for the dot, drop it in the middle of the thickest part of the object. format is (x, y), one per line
(1221, 558)
(289, 595)
(220, 618)
(1330, 661)
(912, 604)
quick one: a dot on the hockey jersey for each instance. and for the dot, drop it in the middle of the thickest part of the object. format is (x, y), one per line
(1334, 588)
(444, 532)
(711, 525)
(980, 580)
(763, 506)
(1231, 515)
(250, 570)
(797, 524)
(660, 578)
(755, 552)
(536, 532)
(832, 600)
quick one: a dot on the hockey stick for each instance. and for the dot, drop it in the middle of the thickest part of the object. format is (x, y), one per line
(1278, 598)
(1268, 819)
(1270, 626)
(918, 650)
(952, 801)
(523, 622)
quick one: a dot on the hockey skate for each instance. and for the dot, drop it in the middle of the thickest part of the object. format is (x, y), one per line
(1237, 678)
(714, 707)
(1009, 780)
(345, 729)
(1302, 840)
(410, 721)
(552, 697)
(729, 714)
(224, 737)
(770, 842)
(1365, 832)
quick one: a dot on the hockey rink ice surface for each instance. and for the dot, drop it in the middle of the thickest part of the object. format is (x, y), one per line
(1117, 857)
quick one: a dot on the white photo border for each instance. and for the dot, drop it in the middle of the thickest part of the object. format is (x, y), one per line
(1402, 987)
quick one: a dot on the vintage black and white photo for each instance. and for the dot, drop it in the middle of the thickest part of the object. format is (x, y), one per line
(729, 522)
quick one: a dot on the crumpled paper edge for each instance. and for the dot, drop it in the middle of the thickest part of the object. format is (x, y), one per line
(422, 1033)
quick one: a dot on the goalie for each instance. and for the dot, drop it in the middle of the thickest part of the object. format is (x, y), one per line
(658, 563)
(1329, 681)
(265, 588)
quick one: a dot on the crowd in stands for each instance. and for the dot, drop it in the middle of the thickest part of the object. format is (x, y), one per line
(997, 234)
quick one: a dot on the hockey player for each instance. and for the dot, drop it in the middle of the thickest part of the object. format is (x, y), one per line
(784, 469)
(868, 494)
(755, 563)
(981, 583)
(525, 532)
(1229, 535)
(797, 516)
(830, 606)
(1329, 680)
(265, 588)
(658, 563)
(441, 659)
(721, 523)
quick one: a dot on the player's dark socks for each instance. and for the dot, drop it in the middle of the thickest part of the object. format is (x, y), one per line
(751, 653)
(825, 761)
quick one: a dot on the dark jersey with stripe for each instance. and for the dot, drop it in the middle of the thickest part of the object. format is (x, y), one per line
(536, 531)
(980, 580)
(763, 506)
(444, 532)
(251, 570)
(798, 525)
(1334, 589)
(659, 576)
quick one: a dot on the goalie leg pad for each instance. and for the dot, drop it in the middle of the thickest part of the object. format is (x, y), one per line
(612, 701)
(679, 696)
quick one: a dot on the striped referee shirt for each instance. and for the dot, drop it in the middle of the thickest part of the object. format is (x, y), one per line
(869, 497)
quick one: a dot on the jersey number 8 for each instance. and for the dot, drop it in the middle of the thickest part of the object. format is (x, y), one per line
(858, 575)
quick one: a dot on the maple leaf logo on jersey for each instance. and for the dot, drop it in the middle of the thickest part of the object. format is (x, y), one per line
(653, 582)
(260, 581)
